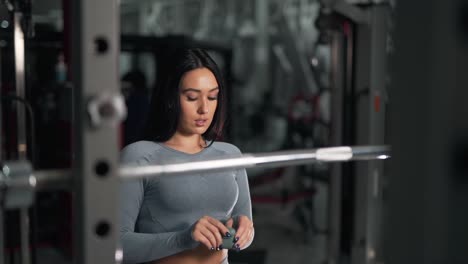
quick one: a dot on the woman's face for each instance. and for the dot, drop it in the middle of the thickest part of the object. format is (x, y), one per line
(198, 101)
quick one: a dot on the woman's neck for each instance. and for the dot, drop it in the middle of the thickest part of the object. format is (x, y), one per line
(189, 144)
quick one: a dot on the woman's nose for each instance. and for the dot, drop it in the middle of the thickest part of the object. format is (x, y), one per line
(203, 108)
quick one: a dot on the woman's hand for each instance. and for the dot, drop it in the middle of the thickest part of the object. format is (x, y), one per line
(244, 232)
(207, 231)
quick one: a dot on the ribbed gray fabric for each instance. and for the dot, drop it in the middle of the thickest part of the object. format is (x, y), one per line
(157, 214)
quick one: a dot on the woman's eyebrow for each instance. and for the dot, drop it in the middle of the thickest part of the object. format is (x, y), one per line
(198, 90)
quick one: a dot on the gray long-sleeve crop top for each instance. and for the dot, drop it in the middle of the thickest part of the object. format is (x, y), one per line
(157, 214)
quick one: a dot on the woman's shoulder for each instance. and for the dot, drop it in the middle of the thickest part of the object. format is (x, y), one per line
(226, 147)
(141, 146)
(138, 150)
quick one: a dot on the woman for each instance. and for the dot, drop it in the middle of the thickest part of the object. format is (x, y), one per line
(183, 219)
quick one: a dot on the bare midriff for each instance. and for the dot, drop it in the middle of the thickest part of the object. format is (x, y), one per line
(198, 255)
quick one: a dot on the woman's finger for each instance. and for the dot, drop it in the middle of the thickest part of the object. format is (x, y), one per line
(209, 224)
(206, 229)
(215, 233)
(243, 232)
(206, 242)
(222, 229)
(208, 234)
(243, 224)
(245, 238)
(241, 242)
(202, 238)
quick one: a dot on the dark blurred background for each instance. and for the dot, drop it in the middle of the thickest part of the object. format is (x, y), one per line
(300, 74)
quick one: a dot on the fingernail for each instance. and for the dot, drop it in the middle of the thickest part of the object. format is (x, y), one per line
(236, 239)
(237, 246)
(217, 249)
(237, 249)
(212, 248)
(220, 247)
(228, 234)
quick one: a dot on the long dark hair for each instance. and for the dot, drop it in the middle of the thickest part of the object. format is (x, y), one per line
(164, 112)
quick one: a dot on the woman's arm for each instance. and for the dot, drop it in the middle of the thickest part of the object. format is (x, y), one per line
(141, 247)
(243, 206)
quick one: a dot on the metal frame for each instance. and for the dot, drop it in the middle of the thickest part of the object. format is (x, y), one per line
(95, 68)
(335, 185)
(22, 146)
(368, 71)
(371, 72)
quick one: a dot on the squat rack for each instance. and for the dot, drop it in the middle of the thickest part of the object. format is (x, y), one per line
(98, 108)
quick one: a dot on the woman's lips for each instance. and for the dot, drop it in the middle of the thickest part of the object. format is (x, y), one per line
(200, 122)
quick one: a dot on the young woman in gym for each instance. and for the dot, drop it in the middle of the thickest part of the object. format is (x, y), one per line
(183, 219)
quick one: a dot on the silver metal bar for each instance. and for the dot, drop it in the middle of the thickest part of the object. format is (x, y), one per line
(53, 179)
(273, 159)
(48, 179)
(40, 180)
(21, 125)
(20, 84)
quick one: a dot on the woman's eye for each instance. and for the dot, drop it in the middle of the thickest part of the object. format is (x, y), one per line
(191, 98)
(212, 98)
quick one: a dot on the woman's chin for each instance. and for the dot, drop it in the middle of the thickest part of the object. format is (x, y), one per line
(194, 132)
(199, 130)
